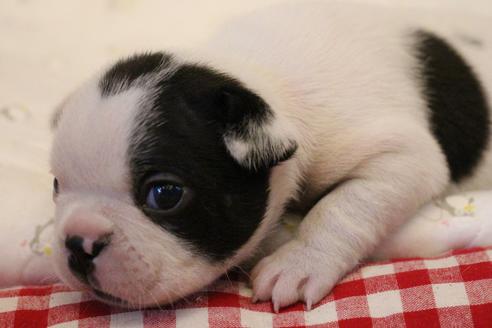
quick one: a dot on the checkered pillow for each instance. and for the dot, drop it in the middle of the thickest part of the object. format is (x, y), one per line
(451, 291)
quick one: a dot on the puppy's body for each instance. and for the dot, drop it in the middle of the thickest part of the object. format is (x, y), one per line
(333, 111)
(353, 87)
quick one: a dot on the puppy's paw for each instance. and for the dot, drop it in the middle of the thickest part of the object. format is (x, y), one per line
(295, 272)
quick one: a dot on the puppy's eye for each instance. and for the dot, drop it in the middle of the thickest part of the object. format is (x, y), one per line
(164, 196)
(55, 186)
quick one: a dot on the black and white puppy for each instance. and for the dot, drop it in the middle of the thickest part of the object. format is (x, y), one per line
(172, 168)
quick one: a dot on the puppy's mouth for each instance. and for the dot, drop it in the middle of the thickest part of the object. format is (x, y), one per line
(108, 298)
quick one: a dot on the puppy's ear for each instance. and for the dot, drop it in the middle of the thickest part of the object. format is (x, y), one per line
(254, 136)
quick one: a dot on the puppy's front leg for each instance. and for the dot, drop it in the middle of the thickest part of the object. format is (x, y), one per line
(347, 224)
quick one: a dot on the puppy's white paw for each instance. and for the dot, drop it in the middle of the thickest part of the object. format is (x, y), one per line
(295, 272)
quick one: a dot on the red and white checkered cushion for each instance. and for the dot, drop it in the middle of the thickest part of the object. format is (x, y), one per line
(451, 291)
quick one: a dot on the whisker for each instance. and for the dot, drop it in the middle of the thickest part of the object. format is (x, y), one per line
(247, 274)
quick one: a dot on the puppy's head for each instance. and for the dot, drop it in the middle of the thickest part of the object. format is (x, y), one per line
(162, 179)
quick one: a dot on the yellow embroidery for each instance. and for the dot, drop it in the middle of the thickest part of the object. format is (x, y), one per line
(47, 250)
(15, 112)
(469, 208)
(35, 243)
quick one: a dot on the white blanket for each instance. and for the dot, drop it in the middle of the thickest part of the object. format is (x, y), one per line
(48, 47)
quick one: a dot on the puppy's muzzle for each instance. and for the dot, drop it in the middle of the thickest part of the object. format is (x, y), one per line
(87, 235)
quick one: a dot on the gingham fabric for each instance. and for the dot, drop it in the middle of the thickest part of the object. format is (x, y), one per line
(451, 291)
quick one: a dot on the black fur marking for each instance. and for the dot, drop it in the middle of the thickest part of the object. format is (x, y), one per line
(121, 75)
(185, 138)
(220, 98)
(457, 104)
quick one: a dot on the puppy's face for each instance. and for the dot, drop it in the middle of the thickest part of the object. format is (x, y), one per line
(162, 175)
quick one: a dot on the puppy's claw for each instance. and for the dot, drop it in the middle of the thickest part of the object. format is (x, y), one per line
(294, 273)
(276, 307)
(309, 305)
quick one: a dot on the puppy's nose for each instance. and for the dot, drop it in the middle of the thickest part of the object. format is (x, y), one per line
(87, 225)
(82, 252)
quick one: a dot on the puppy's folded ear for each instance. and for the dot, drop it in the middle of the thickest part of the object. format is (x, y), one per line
(254, 136)
(252, 133)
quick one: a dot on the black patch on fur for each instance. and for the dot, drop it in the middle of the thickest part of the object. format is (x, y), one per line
(196, 105)
(457, 104)
(220, 98)
(121, 75)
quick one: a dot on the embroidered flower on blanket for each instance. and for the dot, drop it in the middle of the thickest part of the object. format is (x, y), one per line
(452, 222)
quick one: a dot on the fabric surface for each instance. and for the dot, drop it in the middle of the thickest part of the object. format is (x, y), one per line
(450, 291)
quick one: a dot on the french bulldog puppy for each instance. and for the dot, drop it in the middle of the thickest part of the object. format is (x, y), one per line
(173, 167)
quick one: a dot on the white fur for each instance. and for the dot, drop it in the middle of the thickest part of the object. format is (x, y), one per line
(238, 148)
(92, 139)
(340, 81)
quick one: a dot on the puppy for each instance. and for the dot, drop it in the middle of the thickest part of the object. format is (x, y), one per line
(173, 167)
